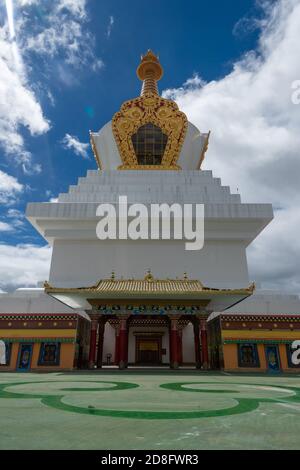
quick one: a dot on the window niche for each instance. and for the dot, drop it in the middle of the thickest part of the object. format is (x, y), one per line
(149, 143)
(49, 354)
(248, 355)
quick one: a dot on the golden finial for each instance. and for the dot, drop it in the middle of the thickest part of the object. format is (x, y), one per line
(149, 71)
(149, 276)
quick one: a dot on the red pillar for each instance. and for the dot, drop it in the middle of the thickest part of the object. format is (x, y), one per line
(197, 343)
(93, 343)
(123, 343)
(179, 346)
(117, 345)
(101, 328)
(174, 360)
(204, 344)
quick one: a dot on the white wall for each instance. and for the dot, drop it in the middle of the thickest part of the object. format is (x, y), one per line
(83, 263)
(109, 342)
(80, 259)
(33, 301)
(268, 303)
(188, 344)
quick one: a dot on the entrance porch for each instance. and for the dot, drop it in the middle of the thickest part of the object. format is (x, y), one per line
(149, 321)
(149, 340)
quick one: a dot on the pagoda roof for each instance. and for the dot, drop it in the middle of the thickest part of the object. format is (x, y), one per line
(149, 288)
(144, 287)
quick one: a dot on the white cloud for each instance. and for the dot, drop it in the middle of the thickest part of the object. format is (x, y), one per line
(16, 218)
(274, 257)
(255, 141)
(71, 142)
(59, 33)
(5, 227)
(15, 213)
(110, 26)
(10, 188)
(76, 7)
(23, 265)
(25, 3)
(19, 107)
(50, 196)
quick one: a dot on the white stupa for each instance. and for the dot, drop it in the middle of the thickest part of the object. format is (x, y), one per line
(151, 154)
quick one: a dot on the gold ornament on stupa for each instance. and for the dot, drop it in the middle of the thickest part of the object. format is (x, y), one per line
(149, 130)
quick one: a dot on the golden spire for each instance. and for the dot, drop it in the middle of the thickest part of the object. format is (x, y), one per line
(149, 71)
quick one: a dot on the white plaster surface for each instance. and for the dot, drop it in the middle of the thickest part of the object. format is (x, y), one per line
(81, 259)
(188, 345)
(33, 301)
(265, 302)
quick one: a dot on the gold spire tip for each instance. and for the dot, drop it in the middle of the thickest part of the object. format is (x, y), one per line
(149, 65)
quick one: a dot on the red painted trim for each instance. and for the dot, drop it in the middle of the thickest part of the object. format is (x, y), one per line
(179, 347)
(117, 347)
(93, 342)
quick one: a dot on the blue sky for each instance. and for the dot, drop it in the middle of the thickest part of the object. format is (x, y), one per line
(75, 65)
(188, 40)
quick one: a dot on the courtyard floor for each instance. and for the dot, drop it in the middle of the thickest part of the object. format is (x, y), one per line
(149, 410)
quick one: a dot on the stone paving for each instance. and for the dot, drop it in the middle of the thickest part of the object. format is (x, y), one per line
(149, 410)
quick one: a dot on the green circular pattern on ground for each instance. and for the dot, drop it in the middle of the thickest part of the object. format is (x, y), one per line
(115, 386)
(179, 386)
(242, 404)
